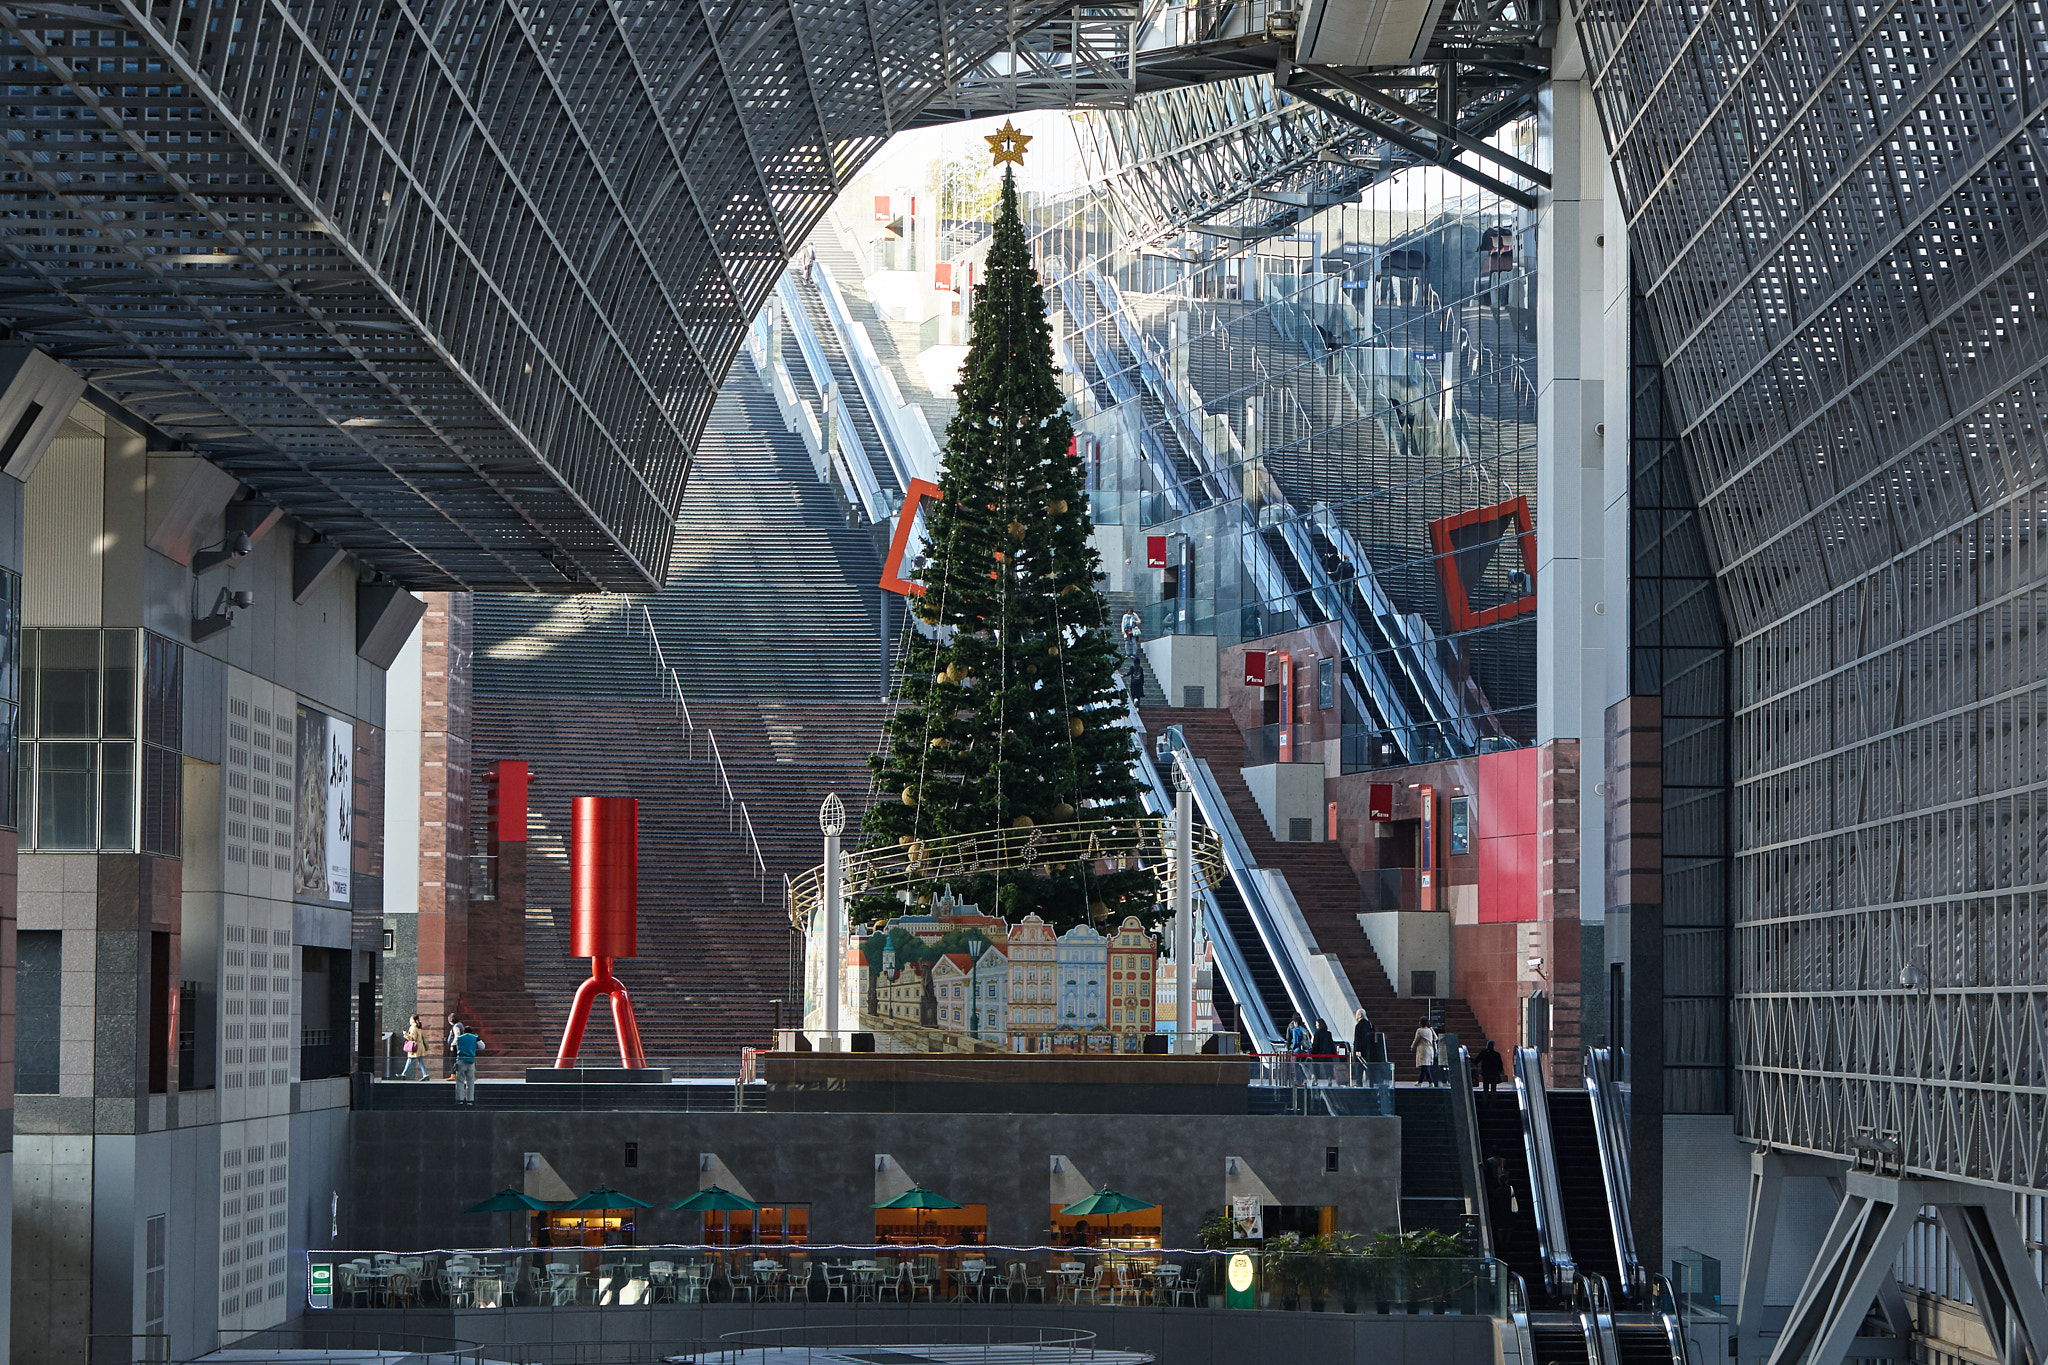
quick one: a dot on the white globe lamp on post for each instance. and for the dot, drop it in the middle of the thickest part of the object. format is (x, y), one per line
(832, 820)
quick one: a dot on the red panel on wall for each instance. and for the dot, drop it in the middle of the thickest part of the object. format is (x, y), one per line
(508, 781)
(1507, 793)
(1155, 552)
(1379, 802)
(1507, 877)
(1254, 668)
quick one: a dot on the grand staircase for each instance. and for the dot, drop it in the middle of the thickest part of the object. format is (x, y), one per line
(1325, 887)
(769, 619)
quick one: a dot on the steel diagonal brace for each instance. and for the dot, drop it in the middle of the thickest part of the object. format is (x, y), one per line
(1429, 152)
(1428, 123)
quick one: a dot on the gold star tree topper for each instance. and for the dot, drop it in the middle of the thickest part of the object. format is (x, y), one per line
(1007, 144)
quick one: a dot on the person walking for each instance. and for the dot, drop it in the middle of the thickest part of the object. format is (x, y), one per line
(1500, 1202)
(415, 1050)
(454, 1032)
(1297, 1049)
(1427, 1045)
(467, 1045)
(1491, 1068)
(1361, 1047)
(1322, 1051)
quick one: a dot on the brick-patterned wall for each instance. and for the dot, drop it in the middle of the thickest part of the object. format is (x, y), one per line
(445, 672)
(1558, 863)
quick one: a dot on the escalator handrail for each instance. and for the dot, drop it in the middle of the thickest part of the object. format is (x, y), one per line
(1610, 1131)
(1518, 1318)
(1465, 1123)
(1559, 1270)
(856, 470)
(1243, 870)
(907, 441)
(1662, 1299)
(1253, 1017)
(1603, 1343)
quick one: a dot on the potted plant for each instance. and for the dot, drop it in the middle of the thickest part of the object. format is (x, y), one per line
(1287, 1258)
(1389, 1271)
(1436, 1262)
(1214, 1234)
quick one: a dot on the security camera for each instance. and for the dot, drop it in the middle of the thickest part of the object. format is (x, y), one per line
(243, 600)
(231, 548)
(222, 616)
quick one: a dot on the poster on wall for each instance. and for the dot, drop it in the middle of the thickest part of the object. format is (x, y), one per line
(1247, 1218)
(322, 855)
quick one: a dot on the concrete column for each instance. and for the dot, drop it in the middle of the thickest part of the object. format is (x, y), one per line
(1581, 537)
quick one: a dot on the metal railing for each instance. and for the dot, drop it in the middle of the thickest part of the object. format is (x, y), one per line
(671, 682)
(1548, 1201)
(1610, 1131)
(1289, 1274)
(732, 803)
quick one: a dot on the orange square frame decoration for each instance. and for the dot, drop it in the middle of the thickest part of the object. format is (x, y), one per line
(1457, 597)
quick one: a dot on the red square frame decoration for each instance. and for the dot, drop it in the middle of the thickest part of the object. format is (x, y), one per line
(1514, 511)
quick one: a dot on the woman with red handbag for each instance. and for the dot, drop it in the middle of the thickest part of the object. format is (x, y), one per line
(415, 1050)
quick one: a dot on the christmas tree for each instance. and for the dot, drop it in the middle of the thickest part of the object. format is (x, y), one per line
(1006, 714)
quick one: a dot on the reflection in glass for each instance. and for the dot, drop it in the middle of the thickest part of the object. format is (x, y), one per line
(69, 685)
(66, 793)
(118, 684)
(117, 796)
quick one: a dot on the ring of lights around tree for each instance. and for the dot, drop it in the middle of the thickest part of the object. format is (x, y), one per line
(1114, 845)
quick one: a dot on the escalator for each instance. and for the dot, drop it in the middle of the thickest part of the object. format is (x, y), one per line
(1583, 1186)
(1561, 1341)
(1644, 1343)
(1500, 1135)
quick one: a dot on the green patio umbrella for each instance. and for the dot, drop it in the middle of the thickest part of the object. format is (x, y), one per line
(713, 1197)
(509, 1200)
(716, 1199)
(918, 1197)
(1105, 1200)
(605, 1197)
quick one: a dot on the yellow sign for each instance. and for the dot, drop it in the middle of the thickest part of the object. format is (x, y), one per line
(1007, 144)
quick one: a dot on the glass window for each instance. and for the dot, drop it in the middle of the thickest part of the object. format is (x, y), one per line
(117, 796)
(117, 683)
(66, 793)
(69, 685)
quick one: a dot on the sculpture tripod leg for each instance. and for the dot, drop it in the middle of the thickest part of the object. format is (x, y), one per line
(602, 982)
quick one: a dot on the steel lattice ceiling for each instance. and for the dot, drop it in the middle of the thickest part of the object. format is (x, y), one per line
(453, 283)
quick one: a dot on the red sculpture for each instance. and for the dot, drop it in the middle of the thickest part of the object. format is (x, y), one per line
(604, 908)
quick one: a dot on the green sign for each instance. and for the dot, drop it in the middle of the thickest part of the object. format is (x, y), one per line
(1240, 1281)
(320, 1286)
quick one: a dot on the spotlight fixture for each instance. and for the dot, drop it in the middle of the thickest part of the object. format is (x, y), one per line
(223, 614)
(232, 547)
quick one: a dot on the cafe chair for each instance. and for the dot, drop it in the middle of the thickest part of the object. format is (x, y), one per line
(487, 1291)
(735, 1285)
(798, 1280)
(924, 1278)
(836, 1282)
(634, 1291)
(888, 1280)
(1175, 1284)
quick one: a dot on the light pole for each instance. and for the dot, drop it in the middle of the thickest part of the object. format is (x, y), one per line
(832, 820)
(1183, 907)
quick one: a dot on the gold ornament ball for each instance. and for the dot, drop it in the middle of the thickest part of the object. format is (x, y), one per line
(955, 673)
(1063, 812)
(1076, 726)
(1098, 909)
(1056, 507)
(904, 839)
(909, 796)
(1021, 822)
(1031, 668)
(1017, 529)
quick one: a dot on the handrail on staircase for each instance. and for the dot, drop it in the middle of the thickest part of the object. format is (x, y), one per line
(1544, 1196)
(668, 677)
(746, 821)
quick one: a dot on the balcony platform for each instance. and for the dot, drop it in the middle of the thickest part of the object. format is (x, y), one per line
(954, 1083)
